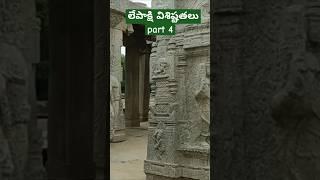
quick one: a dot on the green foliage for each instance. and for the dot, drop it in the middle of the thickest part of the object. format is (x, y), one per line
(123, 59)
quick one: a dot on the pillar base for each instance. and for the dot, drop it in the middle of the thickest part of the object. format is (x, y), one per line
(155, 177)
(133, 122)
(156, 170)
(118, 136)
(144, 119)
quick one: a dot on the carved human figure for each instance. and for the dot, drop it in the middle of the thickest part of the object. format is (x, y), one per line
(158, 136)
(6, 163)
(115, 101)
(202, 97)
(160, 68)
(296, 109)
(15, 110)
(111, 117)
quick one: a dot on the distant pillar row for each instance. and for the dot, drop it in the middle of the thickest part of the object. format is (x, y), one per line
(137, 78)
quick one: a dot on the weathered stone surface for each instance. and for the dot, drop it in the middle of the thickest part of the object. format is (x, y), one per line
(117, 123)
(136, 96)
(178, 145)
(15, 110)
(163, 4)
(295, 107)
(117, 27)
(100, 97)
(204, 5)
(6, 161)
(265, 120)
(20, 36)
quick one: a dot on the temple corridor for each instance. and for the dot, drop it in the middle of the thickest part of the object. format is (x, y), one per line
(129, 155)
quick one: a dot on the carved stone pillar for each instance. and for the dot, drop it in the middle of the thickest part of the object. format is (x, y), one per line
(100, 98)
(31, 48)
(265, 106)
(72, 90)
(144, 83)
(178, 143)
(163, 4)
(134, 44)
(20, 29)
(117, 121)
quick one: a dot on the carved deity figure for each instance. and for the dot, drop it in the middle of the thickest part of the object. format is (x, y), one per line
(115, 102)
(111, 118)
(158, 137)
(15, 112)
(202, 97)
(296, 108)
(161, 68)
(6, 163)
(203, 5)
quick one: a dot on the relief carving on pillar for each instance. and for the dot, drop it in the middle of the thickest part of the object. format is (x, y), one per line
(6, 161)
(163, 4)
(296, 107)
(19, 26)
(158, 140)
(160, 69)
(179, 130)
(116, 107)
(202, 96)
(7, 167)
(204, 5)
(205, 9)
(15, 111)
(116, 18)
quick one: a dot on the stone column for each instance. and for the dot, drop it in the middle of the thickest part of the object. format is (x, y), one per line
(21, 30)
(147, 85)
(101, 73)
(137, 78)
(266, 115)
(144, 84)
(115, 50)
(31, 49)
(71, 90)
(178, 142)
(132, 81)
(117, 122)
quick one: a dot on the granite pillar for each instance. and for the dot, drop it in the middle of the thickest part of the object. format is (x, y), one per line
(117, 121)
(178, 132)
(132, 83)
(144, 85)
(101, 74)
(71, 90)
(266, 110)
(137, 78)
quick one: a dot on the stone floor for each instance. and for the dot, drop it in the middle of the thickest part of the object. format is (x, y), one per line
(127, 158)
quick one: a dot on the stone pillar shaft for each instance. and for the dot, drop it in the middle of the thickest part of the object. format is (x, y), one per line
(132, 87)
(71, 90)
(137, 79)
(101, 74)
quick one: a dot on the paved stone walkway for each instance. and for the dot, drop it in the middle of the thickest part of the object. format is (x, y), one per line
(127, 158)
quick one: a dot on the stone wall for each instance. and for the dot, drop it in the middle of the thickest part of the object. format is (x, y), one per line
(265, 107)
(178, 144)
(19, 36)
